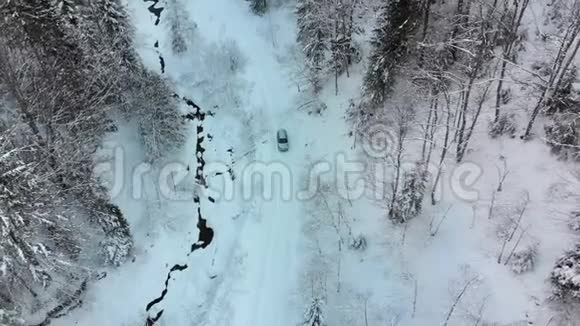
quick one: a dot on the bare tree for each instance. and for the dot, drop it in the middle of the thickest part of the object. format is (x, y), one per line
(516, 225)
(445, 145)
(509, 27)
(457, 299)
(477, 58)
(569, 45)
(403, 119)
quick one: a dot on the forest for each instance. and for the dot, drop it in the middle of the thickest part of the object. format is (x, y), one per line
(487, 82)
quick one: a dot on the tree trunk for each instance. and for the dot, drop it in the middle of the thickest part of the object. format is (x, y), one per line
(434, 122)
(557, 70)
(499, 89)
(463, 123)
(474, 121)
(427, 126)
(507, 51)
(426, 16)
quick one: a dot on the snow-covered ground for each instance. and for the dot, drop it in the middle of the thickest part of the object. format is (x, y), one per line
(268, 257)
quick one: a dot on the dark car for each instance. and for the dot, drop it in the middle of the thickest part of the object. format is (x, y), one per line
(282, 140)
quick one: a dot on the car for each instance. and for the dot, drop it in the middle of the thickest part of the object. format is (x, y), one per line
(282, 140)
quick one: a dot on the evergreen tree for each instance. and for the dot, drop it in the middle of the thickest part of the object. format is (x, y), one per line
(314, 314)
(259, 7)
(68, 10)
(110, 16)
(410, 202)
(390, 43)
(182, 28)
(313, 34)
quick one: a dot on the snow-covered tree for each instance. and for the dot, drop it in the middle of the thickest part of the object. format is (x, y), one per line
(343, 26)
(155, 109)
(563, 108)
(259, 7)
(314, 315)
(325, 33)
(473, 67)
(562, 63)
(566, 98)
(40, 234)
(390, 44)
(410, 202)
(110, 28)
(66, 66)
(313, 34)
(566, 275)
(112, 17)
(68, 10)
(508, 24)
(562, 135)
(10, 318)
(182, 28)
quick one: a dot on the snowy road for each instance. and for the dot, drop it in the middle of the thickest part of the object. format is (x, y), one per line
(272, 255)
(269, 241)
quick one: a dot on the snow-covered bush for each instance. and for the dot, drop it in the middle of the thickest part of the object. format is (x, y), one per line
(314, 106)
(562, 135)
(505, 125)
(358, 243)
(356, 53)
(565, 276)
(524, 260)
(574, 223)
(10, 318)
(563, 107)
(565, 99)
(506, 96)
